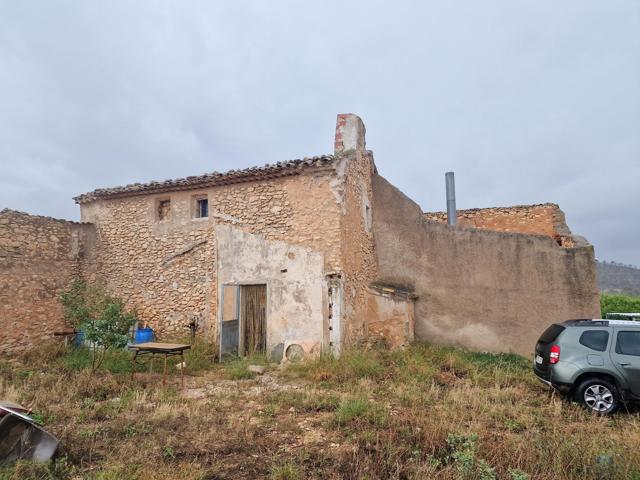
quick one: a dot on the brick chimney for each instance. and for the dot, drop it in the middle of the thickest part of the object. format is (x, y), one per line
(350, 133)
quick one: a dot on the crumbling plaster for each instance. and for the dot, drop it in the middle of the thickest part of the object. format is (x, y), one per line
(295, 281)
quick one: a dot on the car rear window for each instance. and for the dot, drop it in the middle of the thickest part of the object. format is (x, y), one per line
(628, 343)
(551, 333)
(595, 339)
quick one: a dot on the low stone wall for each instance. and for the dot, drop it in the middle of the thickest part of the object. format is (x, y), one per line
(39, 258)
(543, 219)
(484, 290)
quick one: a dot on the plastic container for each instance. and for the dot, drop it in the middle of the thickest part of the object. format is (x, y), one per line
(143, 335)
(78, 340)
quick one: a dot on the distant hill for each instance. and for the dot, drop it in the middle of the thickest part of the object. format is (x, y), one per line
(616, 277)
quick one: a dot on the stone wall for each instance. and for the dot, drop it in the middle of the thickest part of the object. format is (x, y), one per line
(39, 258)
(481, 289)
(167, 269)
(390, 316)
(543, 219)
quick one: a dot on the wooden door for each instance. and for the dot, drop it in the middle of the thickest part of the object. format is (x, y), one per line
(253, 308)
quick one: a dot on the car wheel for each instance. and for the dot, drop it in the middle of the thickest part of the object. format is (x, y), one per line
(598, 395)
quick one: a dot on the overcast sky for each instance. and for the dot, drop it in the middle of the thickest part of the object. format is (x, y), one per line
(527, 101)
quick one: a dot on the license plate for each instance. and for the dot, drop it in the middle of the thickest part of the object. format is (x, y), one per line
(539, 359)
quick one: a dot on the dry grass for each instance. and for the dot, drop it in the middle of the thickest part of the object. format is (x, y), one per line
(427, 412)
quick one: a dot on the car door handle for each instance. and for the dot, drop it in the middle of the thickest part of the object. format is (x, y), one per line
(625, 364)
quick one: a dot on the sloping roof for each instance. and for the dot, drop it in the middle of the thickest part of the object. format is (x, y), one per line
(275, 170)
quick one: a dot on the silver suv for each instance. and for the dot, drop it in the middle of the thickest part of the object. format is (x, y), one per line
(595, 361)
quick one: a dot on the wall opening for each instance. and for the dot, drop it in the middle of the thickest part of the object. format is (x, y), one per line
(230, 328)
(253, 319)
(164, 209)
(200, 206)
(244, 320)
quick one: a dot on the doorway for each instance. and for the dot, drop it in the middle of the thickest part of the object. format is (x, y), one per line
(253, 306)
(244, 320)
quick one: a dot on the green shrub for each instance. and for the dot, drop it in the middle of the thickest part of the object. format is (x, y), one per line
(115, 361)
(101, 316)
(463, 455)
(618, 303)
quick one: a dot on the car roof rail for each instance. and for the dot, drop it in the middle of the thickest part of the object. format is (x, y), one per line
(627, 323)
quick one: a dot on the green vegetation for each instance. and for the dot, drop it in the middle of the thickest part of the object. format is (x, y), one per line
(285, 471)
(101, 316)
(619, 303)
(424, 412)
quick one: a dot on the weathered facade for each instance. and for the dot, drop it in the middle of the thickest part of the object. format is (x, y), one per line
(305, 256)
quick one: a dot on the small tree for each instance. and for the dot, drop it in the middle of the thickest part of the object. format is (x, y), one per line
(101, 316)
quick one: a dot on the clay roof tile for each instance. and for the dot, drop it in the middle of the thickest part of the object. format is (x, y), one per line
(279, 169)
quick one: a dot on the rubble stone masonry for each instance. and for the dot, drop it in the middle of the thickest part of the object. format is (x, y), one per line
(167, 268)
(380, 265)
(39, 258)
(543, 219)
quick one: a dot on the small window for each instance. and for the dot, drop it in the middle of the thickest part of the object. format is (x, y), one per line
(595, 339)
(164, 207)
(202, 208)
(628, 343)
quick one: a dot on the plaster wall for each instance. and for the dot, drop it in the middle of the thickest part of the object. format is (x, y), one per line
(480, 289)
(295, 281)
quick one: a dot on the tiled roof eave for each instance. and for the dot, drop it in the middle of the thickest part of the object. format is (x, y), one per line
(253, 174)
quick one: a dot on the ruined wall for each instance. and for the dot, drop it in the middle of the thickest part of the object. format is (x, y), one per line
(39, 258)
(359, 266)
(167, 269)
(294, 277)
(544, 219)
(390, 317)
(480, 289)
(358, 259)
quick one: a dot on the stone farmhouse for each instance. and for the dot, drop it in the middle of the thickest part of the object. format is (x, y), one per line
(300, 257)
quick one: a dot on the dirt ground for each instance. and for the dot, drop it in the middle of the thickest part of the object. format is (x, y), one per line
(426, 412)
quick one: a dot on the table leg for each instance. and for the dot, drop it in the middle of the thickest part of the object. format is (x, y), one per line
(164, 371)
(133, 363)
(182, 365)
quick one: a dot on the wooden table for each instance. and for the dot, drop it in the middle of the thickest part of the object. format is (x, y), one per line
(156, 348)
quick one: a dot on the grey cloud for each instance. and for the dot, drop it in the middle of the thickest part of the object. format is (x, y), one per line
(528, 101)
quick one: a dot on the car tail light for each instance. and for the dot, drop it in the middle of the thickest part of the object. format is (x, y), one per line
(554, 356)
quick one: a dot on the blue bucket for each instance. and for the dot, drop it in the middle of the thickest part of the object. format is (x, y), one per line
(143, 335)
